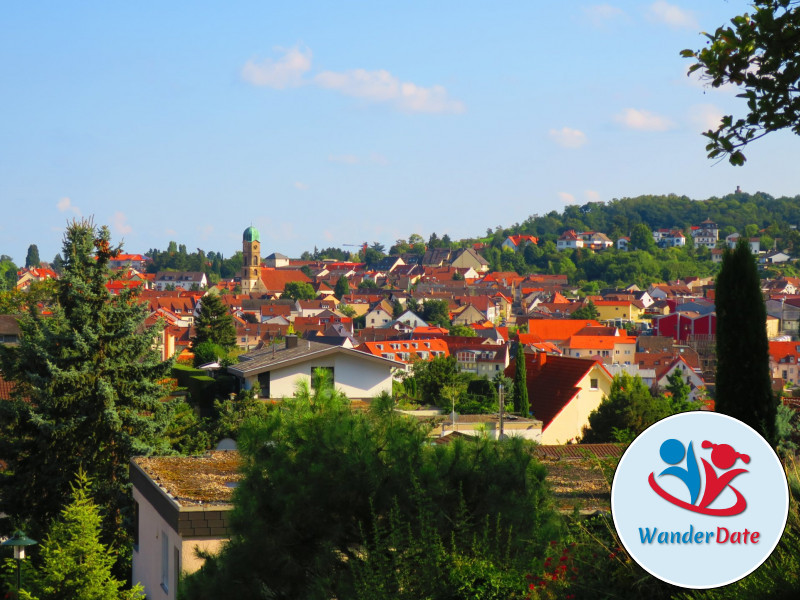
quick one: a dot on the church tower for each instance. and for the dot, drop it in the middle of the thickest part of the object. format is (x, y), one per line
(251, 250)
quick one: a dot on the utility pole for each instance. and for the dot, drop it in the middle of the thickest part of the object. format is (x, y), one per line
(502, 405)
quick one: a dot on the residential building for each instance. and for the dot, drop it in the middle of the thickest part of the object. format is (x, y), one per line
(563, 391)
(518, 242)
(278, 371)
(185, 280)
(784, 361)
(569, 240)
(407, 350)
(182, 504)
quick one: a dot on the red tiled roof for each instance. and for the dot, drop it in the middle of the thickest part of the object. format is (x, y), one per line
(275, 280)
(557, 329)
(552, 385)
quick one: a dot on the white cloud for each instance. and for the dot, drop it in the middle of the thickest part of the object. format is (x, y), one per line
(601, 14)
(705, 116)
(170, 231)
(299, 185)
(566, 198)
(206, 231)
(120, 223)
(284, 72)
(382, 86)
(65, 204)
(592, 195)
(568, 138)
(344, 159)
(328, 235)
(290, 69)
(642, 120)
(672, 15)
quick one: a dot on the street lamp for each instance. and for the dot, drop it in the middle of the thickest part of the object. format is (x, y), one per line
(18, 541)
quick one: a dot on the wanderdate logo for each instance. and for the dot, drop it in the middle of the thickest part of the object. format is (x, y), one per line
(723, 457)
(699, 500)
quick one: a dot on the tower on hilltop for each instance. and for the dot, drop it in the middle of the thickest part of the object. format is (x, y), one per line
(251, 251)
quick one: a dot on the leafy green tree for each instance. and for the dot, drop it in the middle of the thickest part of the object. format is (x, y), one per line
(8, 273)
(628, 410)
(679, 391)
(588, 311)
(344, 484)
(463, 331)
(87, 392)
(346, 310)
(521, 404)
(75, 564)
(231, 414)
(642, 238)
(187, 433)
(214, 323)
(759, 53)
(368, 284)
(342, 287)
(299, 290)
(743, 382)
(433, 376)
(32, 258)
(436, 312)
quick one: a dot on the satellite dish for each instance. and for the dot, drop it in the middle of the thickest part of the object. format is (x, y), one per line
(227, 444)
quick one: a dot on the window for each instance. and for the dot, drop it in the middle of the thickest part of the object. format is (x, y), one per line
(263, 383)
(164, 561)
(593, 383)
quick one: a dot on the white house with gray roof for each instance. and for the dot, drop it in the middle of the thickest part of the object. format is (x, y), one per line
(278, 371)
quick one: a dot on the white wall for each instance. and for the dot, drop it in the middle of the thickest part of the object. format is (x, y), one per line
(147, 559)
(355, 377)
(569, 423)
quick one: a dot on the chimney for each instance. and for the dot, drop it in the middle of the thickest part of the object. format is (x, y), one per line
(291, 341)
(541, 358)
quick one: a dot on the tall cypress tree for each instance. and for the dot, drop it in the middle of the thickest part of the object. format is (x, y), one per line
(32, 258)
(521, 404)
(743, 386)
(87, 393)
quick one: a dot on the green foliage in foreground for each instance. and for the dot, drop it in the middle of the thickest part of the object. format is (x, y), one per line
(327, 490)
(74, 564)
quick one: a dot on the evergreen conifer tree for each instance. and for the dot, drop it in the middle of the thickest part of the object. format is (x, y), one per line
(75, 564)
(87, 393)
(521, 404)
(214, 323)
(32, 258)
(342, 287)
(743, 383)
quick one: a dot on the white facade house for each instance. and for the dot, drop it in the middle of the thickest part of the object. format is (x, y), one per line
(181, 279)
(278, 371)
(569, 240)
(378, 317)
(173, 519)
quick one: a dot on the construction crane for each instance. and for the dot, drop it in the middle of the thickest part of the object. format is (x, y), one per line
(363, 247)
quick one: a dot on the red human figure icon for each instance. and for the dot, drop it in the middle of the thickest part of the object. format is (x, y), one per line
(724, 457)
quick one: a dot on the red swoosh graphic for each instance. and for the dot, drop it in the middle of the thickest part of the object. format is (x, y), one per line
(737, 508)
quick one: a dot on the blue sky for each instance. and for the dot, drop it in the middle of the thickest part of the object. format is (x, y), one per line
(327, 123)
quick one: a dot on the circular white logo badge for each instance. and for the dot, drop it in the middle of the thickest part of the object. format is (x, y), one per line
(699, 499)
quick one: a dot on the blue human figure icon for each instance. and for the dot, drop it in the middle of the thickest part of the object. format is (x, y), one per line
(672, 453)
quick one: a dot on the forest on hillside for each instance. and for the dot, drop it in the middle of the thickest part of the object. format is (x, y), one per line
(774, 220)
